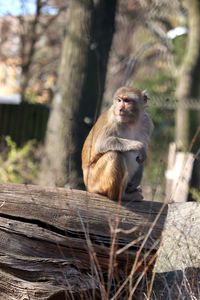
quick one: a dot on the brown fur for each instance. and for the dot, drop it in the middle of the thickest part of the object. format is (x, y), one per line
(104, 154)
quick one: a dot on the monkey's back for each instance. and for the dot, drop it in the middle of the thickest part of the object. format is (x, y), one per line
(89, 154)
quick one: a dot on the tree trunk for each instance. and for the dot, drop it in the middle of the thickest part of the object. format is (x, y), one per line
(81, 81)
(188, 84)
(28, 43)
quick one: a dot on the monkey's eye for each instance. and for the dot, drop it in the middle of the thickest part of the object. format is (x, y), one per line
(128, 100)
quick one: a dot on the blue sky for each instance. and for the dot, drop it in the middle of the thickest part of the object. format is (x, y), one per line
(13, 7)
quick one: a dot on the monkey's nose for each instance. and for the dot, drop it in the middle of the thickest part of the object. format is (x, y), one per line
(121, 110)
(121, 104)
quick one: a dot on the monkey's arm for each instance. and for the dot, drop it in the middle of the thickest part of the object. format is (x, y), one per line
(105, 144)
(113, 143)
(108, 140)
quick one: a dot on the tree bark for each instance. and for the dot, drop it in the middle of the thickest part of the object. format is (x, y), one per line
(81, 81)
(58, 244)
(64, 243)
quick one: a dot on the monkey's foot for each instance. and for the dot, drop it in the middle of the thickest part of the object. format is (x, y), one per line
(135, 195)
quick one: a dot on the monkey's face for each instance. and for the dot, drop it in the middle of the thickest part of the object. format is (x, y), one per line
(127, 107)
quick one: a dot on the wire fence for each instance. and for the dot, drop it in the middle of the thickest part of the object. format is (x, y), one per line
(23, 122)
(172, 103)
(27, 121)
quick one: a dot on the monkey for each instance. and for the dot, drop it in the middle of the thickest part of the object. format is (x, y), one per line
(115, 149)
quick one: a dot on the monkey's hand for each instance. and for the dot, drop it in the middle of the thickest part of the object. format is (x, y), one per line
(132, 189)
(142, 155)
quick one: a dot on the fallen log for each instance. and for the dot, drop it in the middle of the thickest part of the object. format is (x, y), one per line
(57, 243)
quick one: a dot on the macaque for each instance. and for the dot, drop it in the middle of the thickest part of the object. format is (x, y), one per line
(115, 149)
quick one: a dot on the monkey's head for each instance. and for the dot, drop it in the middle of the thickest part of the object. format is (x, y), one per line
(128, 104)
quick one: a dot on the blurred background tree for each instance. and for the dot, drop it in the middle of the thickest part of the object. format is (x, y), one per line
(89, 32)
(188, 88)
(33, 39)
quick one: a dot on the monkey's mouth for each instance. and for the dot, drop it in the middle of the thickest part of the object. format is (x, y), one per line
(122, 113)
(123, 117)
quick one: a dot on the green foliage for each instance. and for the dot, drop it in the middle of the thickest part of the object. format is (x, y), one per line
(195, 195)
(18, 165)
(163, 120)
(179, 50)
(160, 87)
(31, 96)
(162, 84)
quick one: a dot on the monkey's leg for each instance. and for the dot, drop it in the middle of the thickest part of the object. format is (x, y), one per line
(133, 191)
(108, 176)
(135, 181)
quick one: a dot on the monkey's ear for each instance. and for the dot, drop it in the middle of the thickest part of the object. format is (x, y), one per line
(145, 96)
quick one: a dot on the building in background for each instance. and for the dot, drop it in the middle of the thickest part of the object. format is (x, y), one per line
(43, 69)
